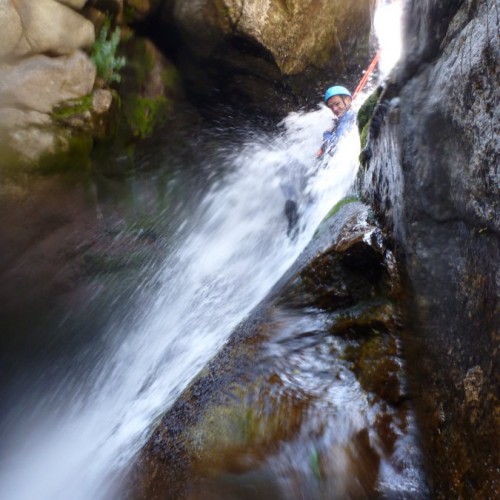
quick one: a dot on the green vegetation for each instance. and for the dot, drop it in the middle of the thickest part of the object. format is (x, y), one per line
(72, 107)
(129, 14)
(144, 113)
(365, 114)
(315, 464)
(171, 79)
(72, 154)
(340, 204)
(104, 55)
(334, 210)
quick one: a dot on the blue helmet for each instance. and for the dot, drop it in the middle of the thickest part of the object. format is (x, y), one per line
(336, 90)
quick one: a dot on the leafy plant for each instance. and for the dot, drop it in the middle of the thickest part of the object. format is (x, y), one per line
(104, 55)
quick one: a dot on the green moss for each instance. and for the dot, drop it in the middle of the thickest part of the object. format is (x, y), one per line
(144, 113)
(366, 111)
(315, 464)
(333, 211)
(128, 14)
(363, 136)
(171, 78)
(72, 107)
(365, 114)
(340, 204)
(72, 155)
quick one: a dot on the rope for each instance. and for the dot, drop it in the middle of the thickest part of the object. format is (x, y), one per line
(367, 75)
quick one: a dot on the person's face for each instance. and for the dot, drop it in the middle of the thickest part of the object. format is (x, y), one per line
(339, 104)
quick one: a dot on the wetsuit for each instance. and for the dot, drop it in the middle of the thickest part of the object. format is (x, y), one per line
(332, 137)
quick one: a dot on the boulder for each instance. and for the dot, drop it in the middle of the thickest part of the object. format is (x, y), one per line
(74, 4)
(51, 27)
(16, 118)
(12, 28)
(29, 91)
(31, 142)
(41, 82)
(42, 66)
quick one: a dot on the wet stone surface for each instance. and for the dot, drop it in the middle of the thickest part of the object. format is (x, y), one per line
(303, 402)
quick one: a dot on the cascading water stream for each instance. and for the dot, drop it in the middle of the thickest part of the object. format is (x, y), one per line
(75, 438)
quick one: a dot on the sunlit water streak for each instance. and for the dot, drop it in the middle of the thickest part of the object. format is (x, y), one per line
(72, 441)
(387, 27)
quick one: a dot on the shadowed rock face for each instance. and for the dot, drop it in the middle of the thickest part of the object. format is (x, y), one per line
(441, 198)
(269, 55)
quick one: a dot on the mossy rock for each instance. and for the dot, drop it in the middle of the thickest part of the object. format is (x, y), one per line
(149, 87)
(52, 149)
(144, 114)
(71, 108)
(74, 156)
(365, 114)
(344, 201)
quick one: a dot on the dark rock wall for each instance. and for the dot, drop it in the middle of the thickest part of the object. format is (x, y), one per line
(434, 179)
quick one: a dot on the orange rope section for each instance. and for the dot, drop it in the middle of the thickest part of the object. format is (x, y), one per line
(367, 74)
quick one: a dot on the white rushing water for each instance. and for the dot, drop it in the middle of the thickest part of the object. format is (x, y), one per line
(387, 27)
(72, 441)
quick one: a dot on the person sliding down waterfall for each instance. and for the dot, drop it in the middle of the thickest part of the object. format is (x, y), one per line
(339, 100)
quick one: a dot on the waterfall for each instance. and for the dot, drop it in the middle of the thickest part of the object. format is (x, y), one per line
(73, 439)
